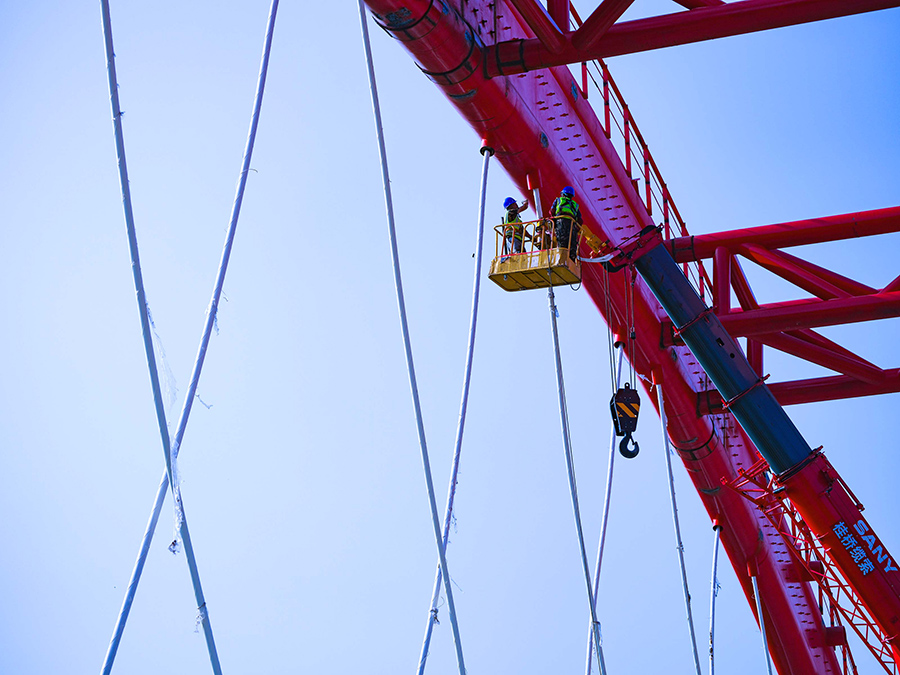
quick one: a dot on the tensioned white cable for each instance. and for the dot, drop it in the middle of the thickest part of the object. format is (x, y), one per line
(145, 325)
(762, 624)
(195, 377)
(713, 592)
(470, 353)
(398, 283)
(570, 466)
(680, 545)
(606, 502)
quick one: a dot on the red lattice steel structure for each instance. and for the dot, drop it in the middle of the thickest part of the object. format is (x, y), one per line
(759, 486)
(546, 135)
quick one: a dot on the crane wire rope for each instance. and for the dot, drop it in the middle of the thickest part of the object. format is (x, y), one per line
(487, 152)
(570, 466)
(211, 313)
(713, 592)
(406, 339)
(679, 544)
(762, 623)
(606, 502)
(632, 333)
(610, 339)
(145, 328)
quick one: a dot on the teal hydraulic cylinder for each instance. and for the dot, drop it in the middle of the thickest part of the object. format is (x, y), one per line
(751, 402)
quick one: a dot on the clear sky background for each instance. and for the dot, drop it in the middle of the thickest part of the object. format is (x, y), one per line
(302, 481)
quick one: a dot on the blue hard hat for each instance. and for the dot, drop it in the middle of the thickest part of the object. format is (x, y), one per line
(509, 201)
(568, 191)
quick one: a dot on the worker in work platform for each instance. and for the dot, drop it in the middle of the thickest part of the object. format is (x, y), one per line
(568, 220)
(515, 232)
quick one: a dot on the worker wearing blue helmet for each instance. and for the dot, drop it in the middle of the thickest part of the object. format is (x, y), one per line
(514, 233)
(567, 215)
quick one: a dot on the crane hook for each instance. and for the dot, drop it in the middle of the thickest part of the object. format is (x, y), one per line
(624, 406)
(623, 447)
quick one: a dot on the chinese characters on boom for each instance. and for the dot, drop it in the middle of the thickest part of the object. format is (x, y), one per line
(857, 552)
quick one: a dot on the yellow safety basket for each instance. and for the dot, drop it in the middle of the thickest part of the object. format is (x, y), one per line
(528, 255)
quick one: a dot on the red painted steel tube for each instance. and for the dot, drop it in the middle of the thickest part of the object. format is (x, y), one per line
(548, 32)
(598, 23)
(848, 286)
(606, 120)
(784, 235)
(648, 194)
(559, 12)
(696, 4)
(722, 281)
(787, 270)
(732, 18)
(893, 286)
(852, 366)
(742, 286)
(797, 314)
(779, 317)
(813, 390)
(813, 338)
(755, 357)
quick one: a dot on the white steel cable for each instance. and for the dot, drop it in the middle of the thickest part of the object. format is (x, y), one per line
(211, 313)
(570, 466)
(398, 283)
(713, 592)
(606, 502)
(762, 624)
(463, 405)
(148, 341)
(201, 353)
(680, 545)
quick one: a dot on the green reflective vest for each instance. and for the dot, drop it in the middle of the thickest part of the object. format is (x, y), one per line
(510, 219)
(565, 206)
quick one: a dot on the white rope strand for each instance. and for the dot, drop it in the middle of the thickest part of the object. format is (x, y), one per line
(713, 592)
(606, 502)
(762, 624)
(680, 545)
(406, 340)
(195, 376)
(470, 353)
(570, 466)
(148, 346)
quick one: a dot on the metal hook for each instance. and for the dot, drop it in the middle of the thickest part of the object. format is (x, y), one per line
(623, 447)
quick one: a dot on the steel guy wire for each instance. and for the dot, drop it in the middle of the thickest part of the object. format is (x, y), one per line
(470, 353)
(195, 377)
(410, 367)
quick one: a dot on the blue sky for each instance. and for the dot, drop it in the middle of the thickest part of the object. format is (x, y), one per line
(303, 482)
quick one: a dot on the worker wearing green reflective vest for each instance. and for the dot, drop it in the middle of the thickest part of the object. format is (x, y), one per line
(514, 233)
(568, 220)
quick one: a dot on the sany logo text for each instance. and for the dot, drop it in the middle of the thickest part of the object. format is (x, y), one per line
(874, 546)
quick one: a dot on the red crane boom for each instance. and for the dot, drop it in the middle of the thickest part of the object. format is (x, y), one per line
(546, 135)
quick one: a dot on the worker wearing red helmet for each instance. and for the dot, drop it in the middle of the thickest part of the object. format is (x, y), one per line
(568, 220)
(514, 233)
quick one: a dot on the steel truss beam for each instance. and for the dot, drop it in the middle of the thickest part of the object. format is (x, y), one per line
(786, 326)
(794, 314)
(696, 25)
(785, 235)
(781, 316)
(757, 485)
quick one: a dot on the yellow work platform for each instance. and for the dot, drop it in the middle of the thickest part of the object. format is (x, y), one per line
(535, 269)
(527, 255)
